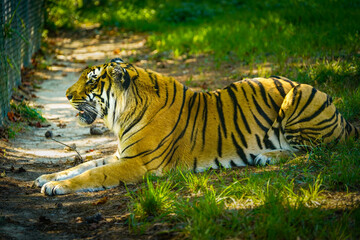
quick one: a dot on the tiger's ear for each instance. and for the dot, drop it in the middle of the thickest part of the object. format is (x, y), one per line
(117, 60)
(118, 75)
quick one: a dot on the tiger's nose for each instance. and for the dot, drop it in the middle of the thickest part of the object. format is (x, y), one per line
(69, 96)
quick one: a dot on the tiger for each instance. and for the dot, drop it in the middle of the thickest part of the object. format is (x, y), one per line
(162, 125)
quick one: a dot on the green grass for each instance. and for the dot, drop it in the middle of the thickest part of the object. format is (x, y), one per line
(21, 114)
(256, 31)
(288, 201)
(26, 112)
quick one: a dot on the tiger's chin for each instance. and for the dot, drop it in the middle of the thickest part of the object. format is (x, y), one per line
(86, 118)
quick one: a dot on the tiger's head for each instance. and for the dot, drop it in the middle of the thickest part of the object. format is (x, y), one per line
(92, 94)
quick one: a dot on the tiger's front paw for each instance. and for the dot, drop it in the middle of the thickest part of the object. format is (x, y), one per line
(40, 181)
(55, 188)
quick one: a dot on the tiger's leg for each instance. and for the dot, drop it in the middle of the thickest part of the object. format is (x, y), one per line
(99, 178)
(306, 117)
(74, 171)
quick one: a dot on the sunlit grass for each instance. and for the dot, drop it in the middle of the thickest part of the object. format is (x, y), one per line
(268, 30)
(154, 199)
(286, 202)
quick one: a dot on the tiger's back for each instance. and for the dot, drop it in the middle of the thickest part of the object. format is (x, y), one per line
(225, 127)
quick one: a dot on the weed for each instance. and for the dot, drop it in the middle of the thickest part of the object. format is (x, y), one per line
(26, 112)
(153, 200)
(311, 195)
(196, 182)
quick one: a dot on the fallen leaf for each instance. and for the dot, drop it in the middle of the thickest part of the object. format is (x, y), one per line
(3, 174)
(88, 158)
(100, 201)
(117, 51)
(39, 124)
(61, 125)
(79, 220)
(11, 116)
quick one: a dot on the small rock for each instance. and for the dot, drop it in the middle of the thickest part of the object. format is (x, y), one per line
(97, 217)
(48, 134)
(96, 130)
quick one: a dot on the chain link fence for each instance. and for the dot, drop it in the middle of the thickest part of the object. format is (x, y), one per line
(21, 27)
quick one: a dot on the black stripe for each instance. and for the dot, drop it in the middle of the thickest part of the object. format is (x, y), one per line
(108, 95)
(237, 106)
(244, 92)
(239, 150)
(307, 104)
(196, 116)
(178, 119)
(269, 144)
(135, 77)
(204, 116)
(126, 82)
(233, 164)
(331, 132)
(195, 164)
(174, 96)
(114, 112)
(166, 97)
(219, 147)
(157, 86)
(219, 107)
(218, 164)
(258, 141)
(154, 80)
(262, 113)
(130, 145)
(135, 121)
(173, 148)
(314, 115)
(274, 76)
(251, 85)
(279, 87)
(171, 132)
(262, 91)
(273, 103)
(168, 156)
(265, 129)
(253, 158)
